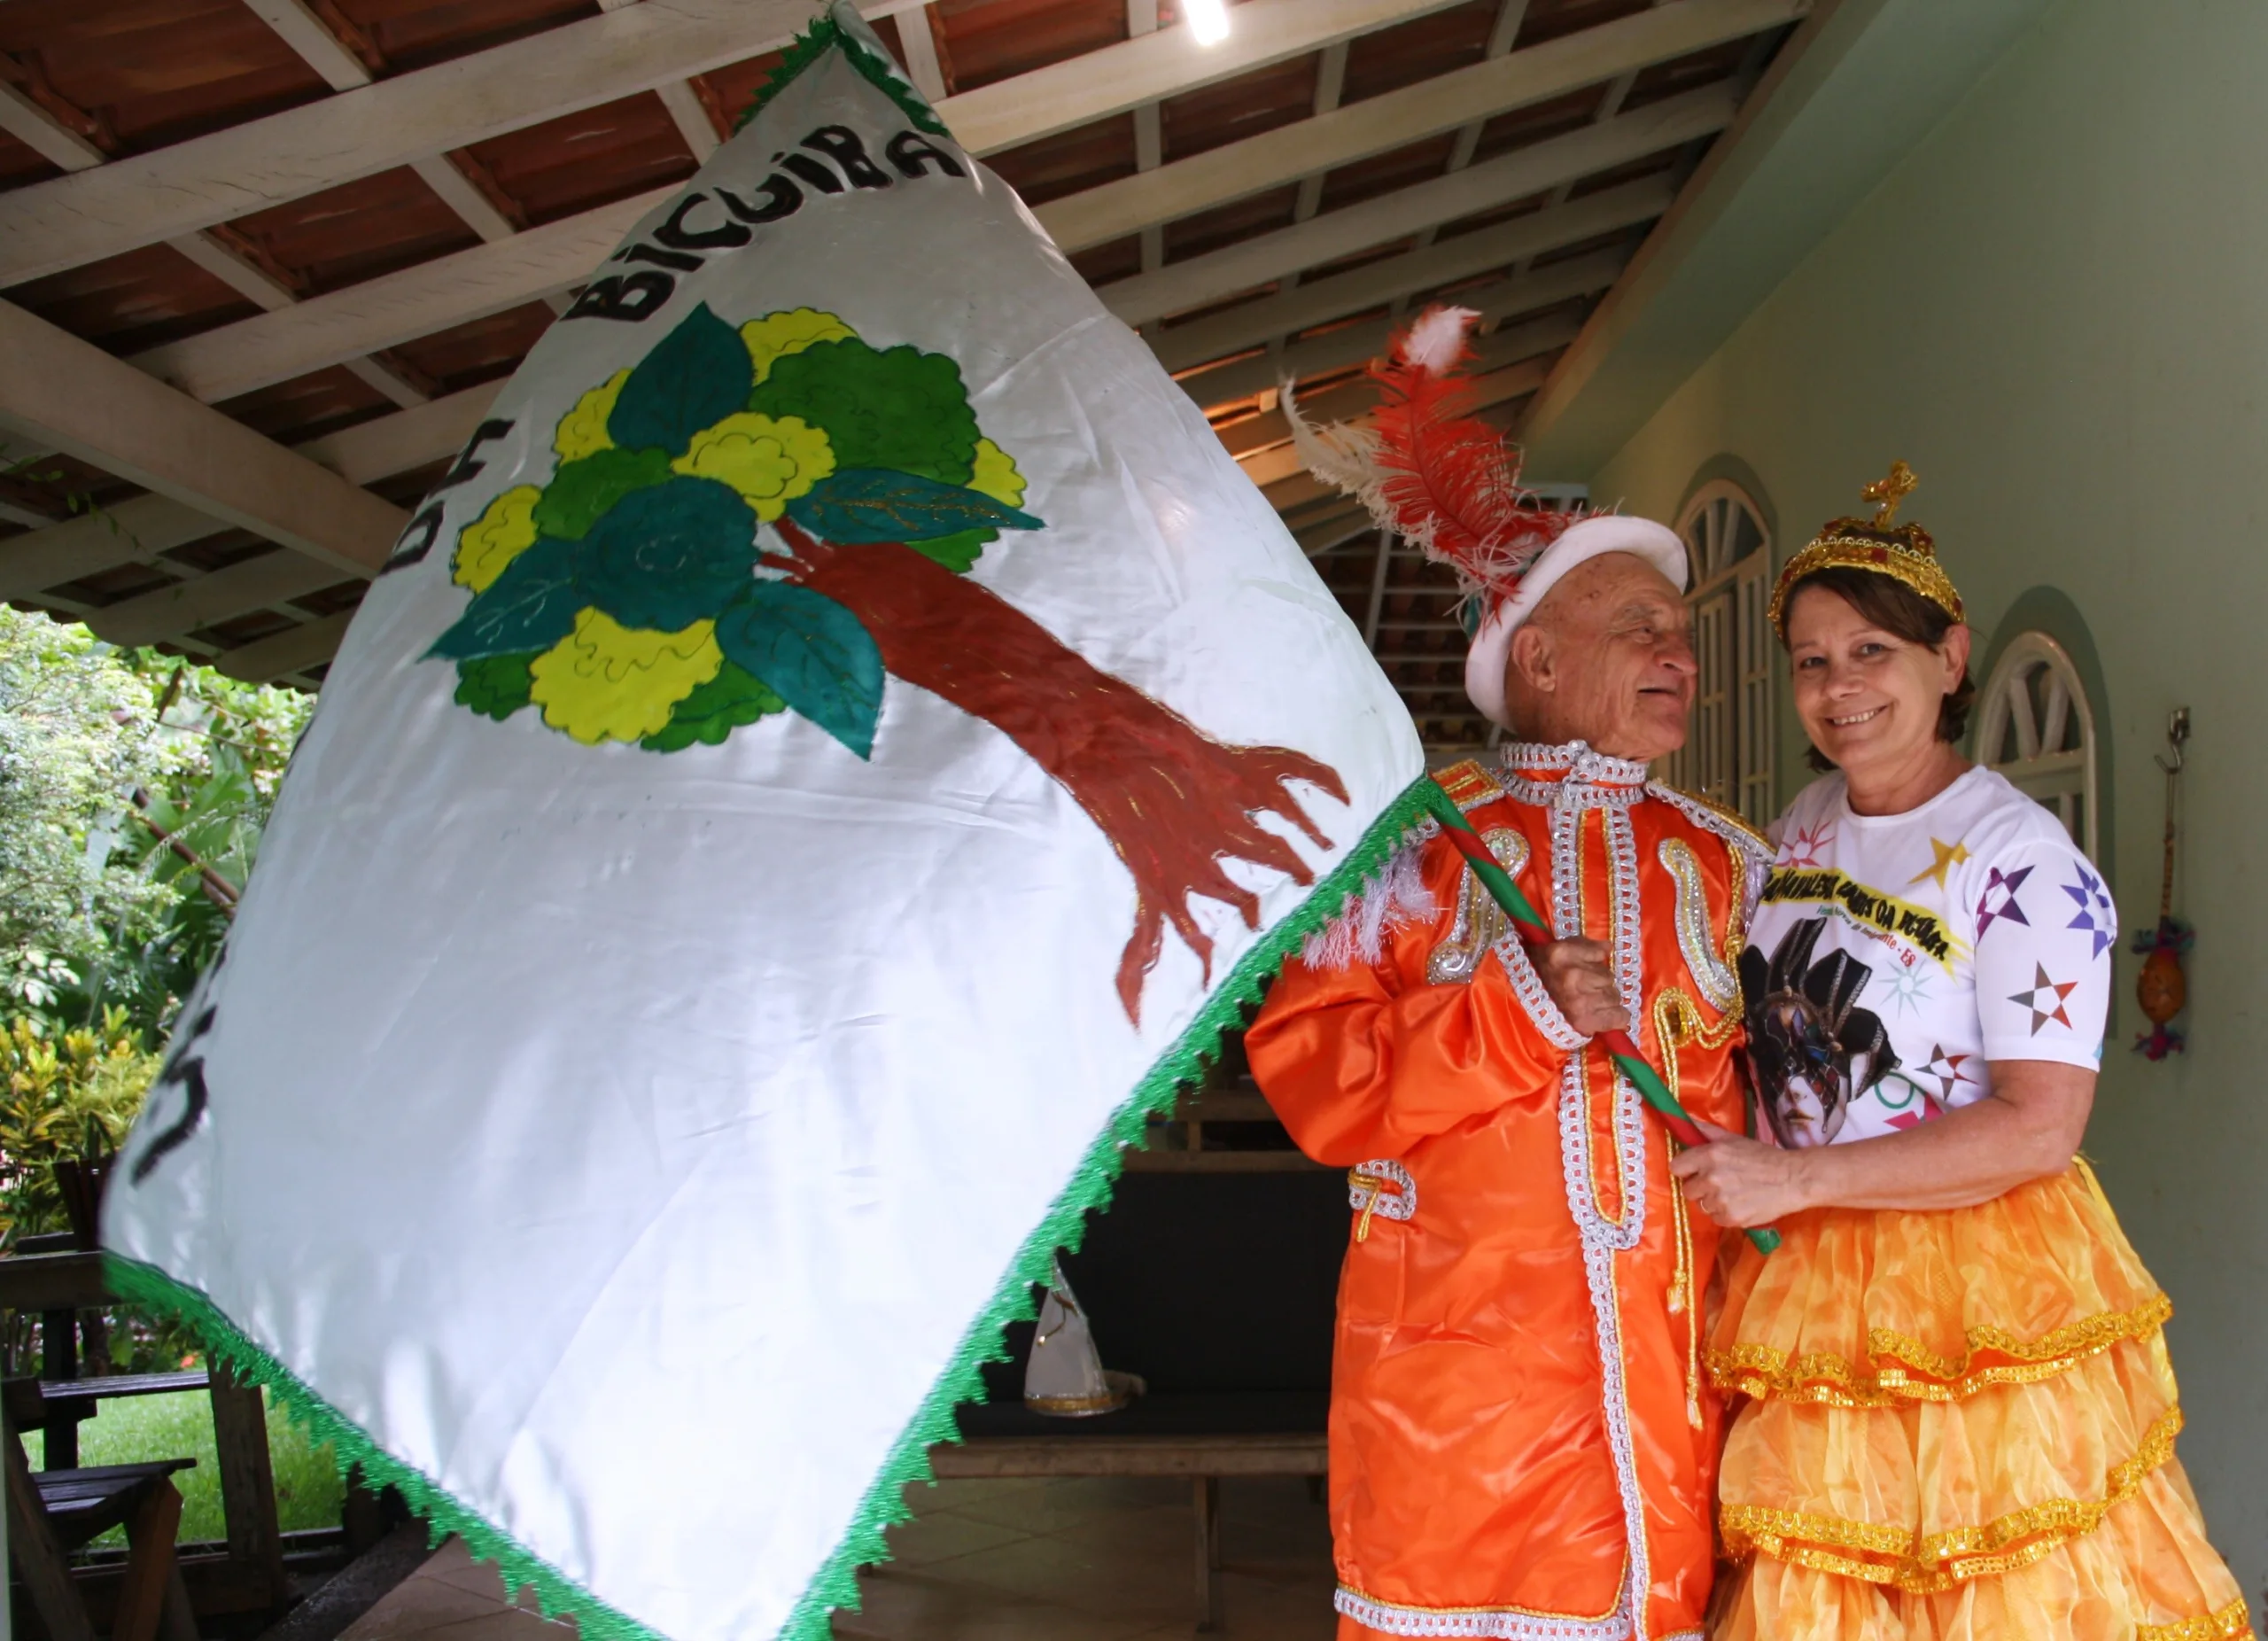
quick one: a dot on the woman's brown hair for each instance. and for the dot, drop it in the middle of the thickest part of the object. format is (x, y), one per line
(1890, 604)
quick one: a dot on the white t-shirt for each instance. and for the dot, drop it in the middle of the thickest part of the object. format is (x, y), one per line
(1895, 957)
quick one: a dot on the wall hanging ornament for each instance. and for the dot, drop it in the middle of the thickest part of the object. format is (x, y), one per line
(2161, 988)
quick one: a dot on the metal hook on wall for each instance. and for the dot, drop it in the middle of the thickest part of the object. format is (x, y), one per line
(2176, 733)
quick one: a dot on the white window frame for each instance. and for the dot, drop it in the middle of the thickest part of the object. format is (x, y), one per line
(1730, 750)
(2054, 762)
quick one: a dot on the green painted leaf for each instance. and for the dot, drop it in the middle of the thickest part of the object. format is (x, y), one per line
(581, 492)
(670, 556)
(958, 552)
(496, 686)
(529, 607)
(698, 374)
(895, 407)
(813, 652)
(877, 504)
(714, 710)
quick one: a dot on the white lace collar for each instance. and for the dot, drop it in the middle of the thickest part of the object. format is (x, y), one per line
(1571, 775)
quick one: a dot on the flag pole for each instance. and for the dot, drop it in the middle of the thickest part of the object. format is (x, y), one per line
(1534, 931)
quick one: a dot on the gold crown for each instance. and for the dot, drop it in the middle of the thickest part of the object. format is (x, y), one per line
(1904, 552)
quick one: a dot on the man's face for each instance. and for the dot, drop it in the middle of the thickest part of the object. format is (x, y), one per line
(1606, 659)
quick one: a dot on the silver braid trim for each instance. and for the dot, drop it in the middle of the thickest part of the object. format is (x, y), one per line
(1499, 1623)
(1718, 983)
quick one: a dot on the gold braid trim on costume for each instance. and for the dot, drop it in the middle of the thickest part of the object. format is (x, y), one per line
(2235, 1619)
(1920, 1374)
(1919, 1565)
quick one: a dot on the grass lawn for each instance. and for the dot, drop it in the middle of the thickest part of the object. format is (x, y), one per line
(131, 1429)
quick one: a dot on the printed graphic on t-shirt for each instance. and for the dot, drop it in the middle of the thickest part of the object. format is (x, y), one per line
(1894, 959)
(1812, 1049)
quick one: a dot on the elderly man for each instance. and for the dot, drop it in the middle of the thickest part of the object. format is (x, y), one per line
(1521, 1443)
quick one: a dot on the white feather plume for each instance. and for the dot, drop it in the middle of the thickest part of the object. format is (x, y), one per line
(1343, 455)
(1437, 337)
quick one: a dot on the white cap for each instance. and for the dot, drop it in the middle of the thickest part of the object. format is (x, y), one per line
(1584, 540)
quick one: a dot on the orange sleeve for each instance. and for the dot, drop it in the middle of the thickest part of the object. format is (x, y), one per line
(1359, 1066)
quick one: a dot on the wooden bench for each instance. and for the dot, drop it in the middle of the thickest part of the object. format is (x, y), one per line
(1204, 1459)
(54, 1512)
(251, 1577)
(1215, 1276)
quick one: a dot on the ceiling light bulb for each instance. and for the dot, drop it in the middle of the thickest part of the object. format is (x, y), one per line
(1209, 20)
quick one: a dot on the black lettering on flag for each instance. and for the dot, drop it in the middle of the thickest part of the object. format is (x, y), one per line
(810, 169)
(417, 538)
(467, 466)
(631, 297)
(841, 144)
(726, 236)
(780, 197)
(912, 155)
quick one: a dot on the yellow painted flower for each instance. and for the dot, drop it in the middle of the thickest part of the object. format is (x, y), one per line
(997, 476)
(582, 431)
(775, 336)
(496, 538)
(605, 681)
(771, 461)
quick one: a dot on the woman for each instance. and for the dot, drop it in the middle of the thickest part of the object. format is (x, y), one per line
(1960, 1415)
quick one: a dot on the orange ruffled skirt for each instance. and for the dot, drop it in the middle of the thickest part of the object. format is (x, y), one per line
(1960, 1427)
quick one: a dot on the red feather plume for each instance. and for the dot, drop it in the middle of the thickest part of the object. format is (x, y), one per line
(1432, 471)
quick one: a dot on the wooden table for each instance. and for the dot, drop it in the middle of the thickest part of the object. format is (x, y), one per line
(250, 1577)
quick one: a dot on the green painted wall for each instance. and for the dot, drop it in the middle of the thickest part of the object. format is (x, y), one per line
(2056, 309)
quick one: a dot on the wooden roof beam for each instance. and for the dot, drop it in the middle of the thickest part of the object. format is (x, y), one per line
(145, 527)
(1357, 344)
(1337, 136)
(1468, 256)
(71, 396)
(108, 209)
(377, 313)
(1219, 274)
(360, 319)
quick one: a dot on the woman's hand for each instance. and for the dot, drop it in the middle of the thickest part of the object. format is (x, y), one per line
(2027, 1128)
(1739, 1182)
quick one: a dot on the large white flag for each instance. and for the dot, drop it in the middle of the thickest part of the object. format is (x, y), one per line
(832, 754)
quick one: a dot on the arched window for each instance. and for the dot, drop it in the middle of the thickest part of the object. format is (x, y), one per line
(2036, 728)
(1727, 753)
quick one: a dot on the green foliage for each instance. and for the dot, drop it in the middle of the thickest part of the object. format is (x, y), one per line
(581, 492)
(64, 1096)
(73, 745)
(874, 504)
(815, 653)
(895, 408)
(695, 376)
(714, 710)
(116, 768)
(496, 686)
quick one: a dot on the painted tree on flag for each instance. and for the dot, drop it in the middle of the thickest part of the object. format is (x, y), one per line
(631, 597)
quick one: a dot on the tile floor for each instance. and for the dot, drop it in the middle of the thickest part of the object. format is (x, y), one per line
(1010, 1561)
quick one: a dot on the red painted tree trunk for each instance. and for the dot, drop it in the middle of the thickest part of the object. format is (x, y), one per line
(1173, 801)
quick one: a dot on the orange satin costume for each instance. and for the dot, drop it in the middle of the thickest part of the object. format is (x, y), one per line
(1521, 1444)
